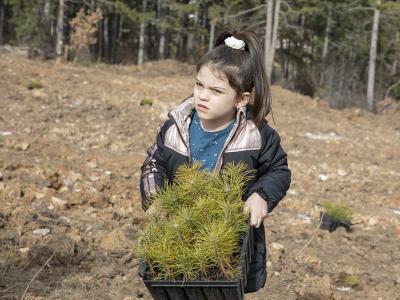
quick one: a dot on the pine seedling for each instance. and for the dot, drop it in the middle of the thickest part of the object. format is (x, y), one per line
(166, 200)
(193, 182)
(198, 225)
(218, 242)
(338, 211)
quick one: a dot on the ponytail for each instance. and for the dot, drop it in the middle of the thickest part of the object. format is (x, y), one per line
(245, 70)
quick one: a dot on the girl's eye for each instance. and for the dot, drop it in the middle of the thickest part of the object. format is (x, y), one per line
(217, 92)
(199, 84)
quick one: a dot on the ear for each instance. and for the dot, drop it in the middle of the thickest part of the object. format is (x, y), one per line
(243, 100)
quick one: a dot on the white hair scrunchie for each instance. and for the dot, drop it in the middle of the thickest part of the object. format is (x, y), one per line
(235, 43)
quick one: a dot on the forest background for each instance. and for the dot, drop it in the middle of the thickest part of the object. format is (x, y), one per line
(345, 51)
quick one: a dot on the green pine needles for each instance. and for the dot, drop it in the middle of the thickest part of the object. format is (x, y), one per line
(197, 224)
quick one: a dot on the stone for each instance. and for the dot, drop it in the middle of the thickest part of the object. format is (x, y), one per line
(277, 246)
(372, 221)
(59, 202)
(24, 251)
(41, 232)
(313, 263)
(276, 252)
(23, 146)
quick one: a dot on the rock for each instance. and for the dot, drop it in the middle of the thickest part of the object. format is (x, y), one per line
(5, 133)
(38, 93)
(59, 202)
(341, 172)
(24, 251)
(41, 232)
(139, 293)
(98, 200)
(277, 246)
(74, 177)
(92, 164)
(313, 263)
(323, 177)
(372, 221)
(276, 252)
(23, 146)
(54, 181)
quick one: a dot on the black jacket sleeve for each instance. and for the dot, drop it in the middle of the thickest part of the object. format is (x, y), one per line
(153, 169)
(273, 174)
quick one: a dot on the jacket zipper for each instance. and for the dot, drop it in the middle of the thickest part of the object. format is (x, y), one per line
(228, 140)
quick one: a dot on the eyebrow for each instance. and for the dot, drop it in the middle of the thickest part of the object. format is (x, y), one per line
(213, 87)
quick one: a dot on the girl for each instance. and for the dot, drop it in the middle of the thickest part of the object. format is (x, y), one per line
(218, 125)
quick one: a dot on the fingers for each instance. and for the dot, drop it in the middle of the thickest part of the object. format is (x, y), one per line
(259, 220)
(254, 220)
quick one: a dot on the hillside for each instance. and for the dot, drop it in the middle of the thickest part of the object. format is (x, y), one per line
(70, 157)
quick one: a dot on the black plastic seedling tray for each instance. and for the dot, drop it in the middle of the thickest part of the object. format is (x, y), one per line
(202, 289)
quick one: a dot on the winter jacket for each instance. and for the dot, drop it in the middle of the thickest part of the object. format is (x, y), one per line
(258, 148)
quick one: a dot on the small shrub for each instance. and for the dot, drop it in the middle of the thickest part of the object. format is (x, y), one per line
(146, 101)
(338, 211)
(352, 280)
(35, 84)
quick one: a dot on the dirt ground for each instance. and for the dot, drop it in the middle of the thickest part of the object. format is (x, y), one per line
(70, 213)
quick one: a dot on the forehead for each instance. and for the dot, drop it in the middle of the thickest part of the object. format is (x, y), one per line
(212, 76)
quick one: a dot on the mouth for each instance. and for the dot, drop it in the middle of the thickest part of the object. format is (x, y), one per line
(202, 107)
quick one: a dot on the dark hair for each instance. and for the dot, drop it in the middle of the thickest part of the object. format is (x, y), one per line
(245, 70)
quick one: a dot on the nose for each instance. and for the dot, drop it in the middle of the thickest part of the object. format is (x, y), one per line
(203, 95)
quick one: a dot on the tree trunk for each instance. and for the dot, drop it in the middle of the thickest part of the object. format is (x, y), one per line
(326, 44)
(46, 10)
(120, 28)
(161, 48)
(212, 34)
(327, 32)
(141, 36)
(161, 43)
(268, 34)
(106, 40)
(372, 59)
(394, 65)
(60, 31)
(100, 39)
(274, 38)
(191, 36)
(2, 8)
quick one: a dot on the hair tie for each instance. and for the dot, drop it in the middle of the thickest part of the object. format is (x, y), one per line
(235, 43)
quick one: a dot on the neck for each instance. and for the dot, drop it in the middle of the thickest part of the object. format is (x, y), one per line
(216, 125)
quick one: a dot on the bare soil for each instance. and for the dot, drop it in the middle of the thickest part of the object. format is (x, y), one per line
(70, 212)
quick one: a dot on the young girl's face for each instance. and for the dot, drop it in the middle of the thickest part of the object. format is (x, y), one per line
(215, 100)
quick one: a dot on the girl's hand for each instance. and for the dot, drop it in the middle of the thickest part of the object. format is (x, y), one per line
(257, 207)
